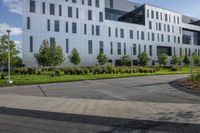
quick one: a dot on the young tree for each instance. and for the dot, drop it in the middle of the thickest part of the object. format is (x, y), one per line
(182, 55)
(102, 58)
(125, 59)
(175, 60)
(186, 60)
(43, 56)
(74, 57)
(55, 57)
(14, 58)
(162, 59)
(143, 59)
(195, 58)
(50, 56)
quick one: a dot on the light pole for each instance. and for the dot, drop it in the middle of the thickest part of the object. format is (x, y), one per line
(9, 79)
(132, 61)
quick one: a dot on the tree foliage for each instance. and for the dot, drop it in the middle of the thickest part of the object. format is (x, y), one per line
(125, 59)
(143, 59)
(195, 58)
(186, 60)
(75, 57)
(162, 59)
(175, 60)
(50, 55)
(102, 58)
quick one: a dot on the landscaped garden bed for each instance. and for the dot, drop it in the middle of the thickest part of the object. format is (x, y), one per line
(27, 76)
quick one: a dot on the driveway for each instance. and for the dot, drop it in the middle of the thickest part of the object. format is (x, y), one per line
(143, 89)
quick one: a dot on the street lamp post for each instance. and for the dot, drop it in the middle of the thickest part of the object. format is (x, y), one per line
(9, 79)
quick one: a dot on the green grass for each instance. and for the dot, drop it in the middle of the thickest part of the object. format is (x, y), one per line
(43, 79)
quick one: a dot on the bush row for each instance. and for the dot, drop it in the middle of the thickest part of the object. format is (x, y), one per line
(91, 70)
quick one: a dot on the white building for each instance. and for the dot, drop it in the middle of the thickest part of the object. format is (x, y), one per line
(115, 27)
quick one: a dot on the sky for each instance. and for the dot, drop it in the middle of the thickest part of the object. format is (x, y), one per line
(11, 13)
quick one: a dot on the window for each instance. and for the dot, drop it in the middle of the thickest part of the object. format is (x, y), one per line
(119, 48)
(97, 30)
(160, 16)
(174, 39)
(150, 50)
(160, 27)
(125, 48)
(28, 23)
(109, 31)
(89, 14)
(116, 32)
(168, 38)
(32, 6)
(90, 47)
(150, 25)
(69, 11)
(57, 26)
(166, 17)
(162, 38)
(148, 36)
(152, 14)
(168, 28)
(97, 3)
(131, 34)
(100, 17)
(157, 15)
(122, 33)
(111, 3)
(111, 48)
(178, 20)
(66, 27)
(85, 29)
(89, 2)
(138, 35)
(67, 46)
(142, 35)
(31, 44)
(139, 49)
(52, 9)
(52, 41)
(145, 48)
(152, 36)
(60, 10)
(101, 49)
(92, 29)
(83, 2)
(74, 28)
(43, 7)
(77, 13)
(48, 25)
(147, 13)
(134, 49)
(158, 37)
(73, 1)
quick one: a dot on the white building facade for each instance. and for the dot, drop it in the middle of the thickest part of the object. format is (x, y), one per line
(115, 27)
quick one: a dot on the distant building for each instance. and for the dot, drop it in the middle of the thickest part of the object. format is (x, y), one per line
(115, 27)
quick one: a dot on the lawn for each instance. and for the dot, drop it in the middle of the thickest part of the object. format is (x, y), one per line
(43, 79)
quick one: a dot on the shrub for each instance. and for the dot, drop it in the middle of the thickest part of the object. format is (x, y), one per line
(175, 68)
(86, 71)
(57, 72)
(31, 71)
(23, 70)
(110, 69)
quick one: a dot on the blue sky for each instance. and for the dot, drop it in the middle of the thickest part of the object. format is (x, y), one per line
(11, 10)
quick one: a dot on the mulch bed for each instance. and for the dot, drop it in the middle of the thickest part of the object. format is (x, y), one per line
(189, 85)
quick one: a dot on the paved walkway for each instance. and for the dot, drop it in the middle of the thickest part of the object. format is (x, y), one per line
(101, 106)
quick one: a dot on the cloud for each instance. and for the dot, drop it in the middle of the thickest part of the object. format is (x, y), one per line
(14, 30)
(14, 6)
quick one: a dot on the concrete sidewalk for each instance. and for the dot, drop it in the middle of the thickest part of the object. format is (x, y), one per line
(163, 112)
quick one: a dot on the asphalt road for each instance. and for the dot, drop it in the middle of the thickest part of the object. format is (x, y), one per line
(145, 89)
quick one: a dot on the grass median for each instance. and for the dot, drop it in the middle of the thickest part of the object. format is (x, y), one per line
(30, 79)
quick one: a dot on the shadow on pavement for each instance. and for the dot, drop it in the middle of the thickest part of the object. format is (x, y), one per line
(115, 124)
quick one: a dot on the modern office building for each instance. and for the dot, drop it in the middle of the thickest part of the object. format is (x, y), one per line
(115, 27)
